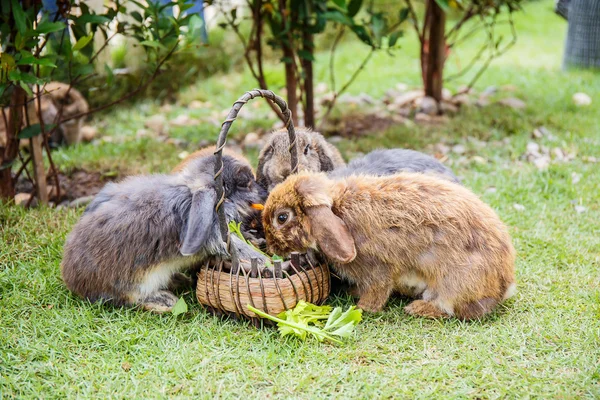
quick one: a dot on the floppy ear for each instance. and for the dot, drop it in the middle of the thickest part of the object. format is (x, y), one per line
(199, 222)
(324, 159)
(331, 233)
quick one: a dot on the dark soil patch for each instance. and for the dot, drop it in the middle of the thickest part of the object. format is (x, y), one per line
(356, 125)
(79, 183)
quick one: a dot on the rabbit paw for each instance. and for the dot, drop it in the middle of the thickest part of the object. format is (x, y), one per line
(159, 302)
(180, 281)
(425, 309)
(371, 302)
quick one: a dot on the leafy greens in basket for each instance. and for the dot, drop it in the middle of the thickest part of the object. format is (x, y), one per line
(321, 322)
(236, 228)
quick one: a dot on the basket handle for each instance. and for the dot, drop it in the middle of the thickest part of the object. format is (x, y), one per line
(235, 109)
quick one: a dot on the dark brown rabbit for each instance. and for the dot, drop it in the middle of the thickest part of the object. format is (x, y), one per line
(137, 235)
(410, 233)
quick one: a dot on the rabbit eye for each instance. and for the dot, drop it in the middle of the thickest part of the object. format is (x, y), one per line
(282, 217)
(306, 149)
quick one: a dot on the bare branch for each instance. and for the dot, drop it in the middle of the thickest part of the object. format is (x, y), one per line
(347, 84)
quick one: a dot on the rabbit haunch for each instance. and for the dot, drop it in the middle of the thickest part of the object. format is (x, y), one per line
(137, 235)
(409, 233)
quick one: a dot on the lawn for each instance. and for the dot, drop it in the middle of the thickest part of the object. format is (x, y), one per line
(544, 342)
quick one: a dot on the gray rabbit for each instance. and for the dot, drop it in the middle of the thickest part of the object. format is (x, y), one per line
(385, 162)
(136, 236)
(315, 154)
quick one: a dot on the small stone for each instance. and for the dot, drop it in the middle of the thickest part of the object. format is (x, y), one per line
(321, 88)
(420, 117)
(464, 89)
(479, 160)
(21, 199)
(580, 209)
(590, 159)
(184, 120)
(513, 102)
(446, 94)
(156, 123)
(542, 162)
(533, 148)
(407, 98)
(428, 105)
(126, 366)
(490, 90)
(402, 87)
(165, 108)
(575, 178)
(88, 133)
(482, 102)
(183, 155)
(142, 133)
(491, 190)
(459, 149)
(82, 201)
(441, 148)
(462, 99)
(582, 99)
(559, 154)
(62, 205)
(518, 207)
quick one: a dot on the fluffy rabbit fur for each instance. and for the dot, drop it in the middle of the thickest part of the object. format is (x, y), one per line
(414, 234)
(314, 154)
(136, 235)
(392, 161)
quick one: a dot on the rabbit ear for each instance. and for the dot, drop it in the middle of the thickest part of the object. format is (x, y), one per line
(265, 155)
(200, 221)
(324, 159)
(332, 235)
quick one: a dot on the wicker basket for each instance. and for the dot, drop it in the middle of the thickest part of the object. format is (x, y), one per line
(226, 287)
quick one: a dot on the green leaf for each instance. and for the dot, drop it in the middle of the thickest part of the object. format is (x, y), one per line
(49, 27)
(362, 34)
(180, 307)
(305, 54)
(340, 3)
(394, 38)
(110, 76)
(354, 7)
(337, 16)
(31, 60)
(151, 43)
(82, 42)
(20, 17)
(307, 320)
(30, 131)
(137, 16)
(443, 5)
(404, 14)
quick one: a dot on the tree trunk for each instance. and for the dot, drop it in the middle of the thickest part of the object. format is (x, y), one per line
(307, 67)
(433, 50)
(289, 57)
(15, 115)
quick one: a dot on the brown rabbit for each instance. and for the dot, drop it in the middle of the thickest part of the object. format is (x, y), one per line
(410, 233)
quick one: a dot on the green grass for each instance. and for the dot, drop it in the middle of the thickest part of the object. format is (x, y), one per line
(545, 342)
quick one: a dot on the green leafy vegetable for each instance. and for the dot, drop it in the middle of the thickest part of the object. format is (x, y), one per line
(307, 319)
(180, 307)
(236, 228)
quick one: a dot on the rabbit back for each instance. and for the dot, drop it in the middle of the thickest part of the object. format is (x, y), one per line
(384, 162)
